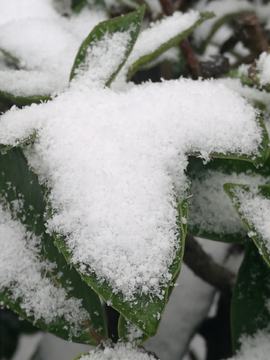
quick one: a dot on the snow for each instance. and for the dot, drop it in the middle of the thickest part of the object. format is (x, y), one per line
(188, 306)
(21, 274)
(255, 347)
(113, 171)
(158, 34)
(47, 55)
(255, 208)
(103, 58)
(263, 66)
(119, 352)
(220, 8)
(210, 209)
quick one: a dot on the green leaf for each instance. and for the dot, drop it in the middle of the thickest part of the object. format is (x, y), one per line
(149, 57)
(145, 311)
(129, 332)
(211, 214)
(29, 140)
(98, 39)
(263, 149)
(251, 297)
(22, 101)
(253, 205)
(14, 60)
(221, 21)
(98, 5)
(18, 182)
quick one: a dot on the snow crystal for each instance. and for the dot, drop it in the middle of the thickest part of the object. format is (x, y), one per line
(255, 208)
(159, 33)
(21, 274)
(263, 66)
(103, 58)
(210, 209)
(119, 352)
(133, 332)
(114, 162)
(255, 347)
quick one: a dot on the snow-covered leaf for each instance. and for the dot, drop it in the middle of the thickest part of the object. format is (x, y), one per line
(106, 49)
(161, 36)
(211, 213)
(118, 351)
(253, 206)
(129, 332)
(250, 309)
(22, 101)
(114, 176)
(36, 280)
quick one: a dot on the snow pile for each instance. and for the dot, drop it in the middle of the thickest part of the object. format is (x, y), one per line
(255, 347)
(24, 276)
(119, 352)
(263, 66)
(114, 163)
(255, 208)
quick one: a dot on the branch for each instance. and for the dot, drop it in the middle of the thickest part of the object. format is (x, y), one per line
(191, 59)
(204, 266)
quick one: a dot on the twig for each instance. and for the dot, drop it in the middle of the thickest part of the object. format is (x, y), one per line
(204, 266)
(191, 58)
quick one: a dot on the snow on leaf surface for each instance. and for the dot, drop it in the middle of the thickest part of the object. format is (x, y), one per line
(51, 46)
(253, 206)
(159, 37)
(254, 347)
(118, 352)
(114, 173)
(47, 292)
(24, 280)
(105, 50)
(211, 213)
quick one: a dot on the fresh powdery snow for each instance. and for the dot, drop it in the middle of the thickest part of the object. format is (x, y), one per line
(255, 347)
(263, 66)
(114, 162)
(103, 58)
(205, 211)
(157, 34)
(119, 352)
(46, 58)
(21, 274)
(255, 208)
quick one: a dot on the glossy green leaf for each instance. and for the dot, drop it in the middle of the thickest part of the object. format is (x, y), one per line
(129, 332)
(251, 297)
(145, 311)
(235, 192)
(29, 140)
(10, 57)
(98, 5)
(211, 214)
(129, 24)
(259, 159)
(17, 181)
(142, 61)
(22, 101)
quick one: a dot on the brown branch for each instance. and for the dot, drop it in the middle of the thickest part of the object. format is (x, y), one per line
(204, 266)
(167, 7)
(191, 58)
